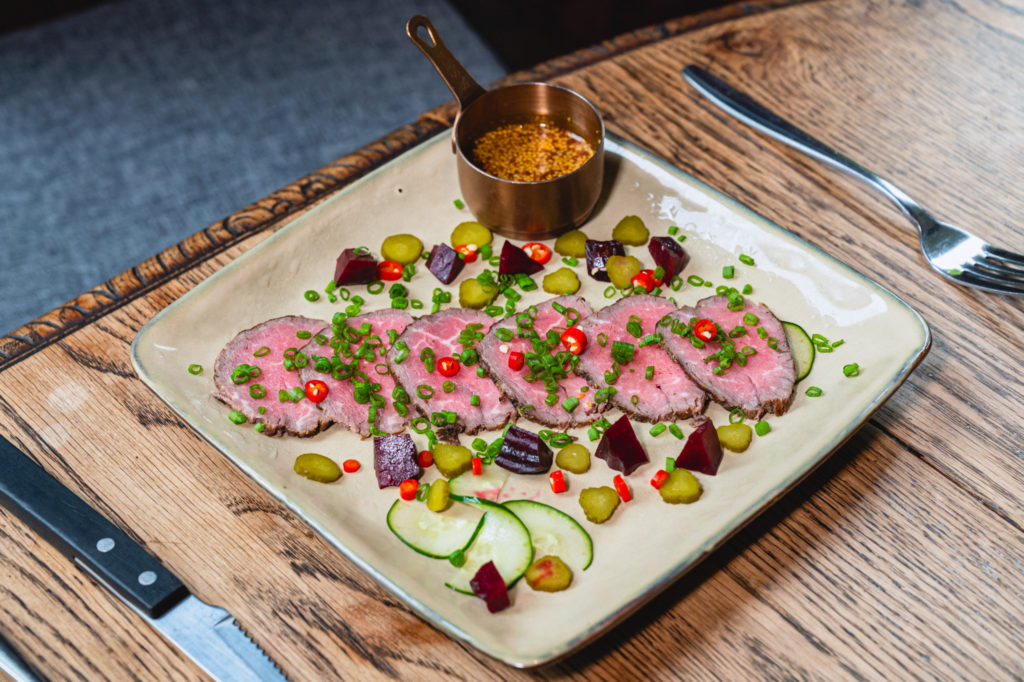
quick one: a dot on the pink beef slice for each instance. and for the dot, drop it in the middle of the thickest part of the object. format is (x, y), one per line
(494, 354)
(340, 404)
(303, 418)
(764, 385)
(440, 332)
(670, 394)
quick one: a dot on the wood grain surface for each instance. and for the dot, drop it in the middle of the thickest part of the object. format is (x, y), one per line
(900, 558)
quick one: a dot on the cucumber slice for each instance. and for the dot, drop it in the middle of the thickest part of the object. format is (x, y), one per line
(486, 486)
(801, 347)
(502, 539)
(435, 534)
(554, 532)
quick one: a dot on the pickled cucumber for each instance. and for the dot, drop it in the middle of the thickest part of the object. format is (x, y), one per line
(438, 497)
(561, 282)
(574, 458)
(548, 574)
(631, 231)
(572, 244)
(317, 468)
(735, 437)
(621, 269)
(472, 294)
(600, 503)
(401, 248)
(681, 487)
(452, 460)
(471, 233)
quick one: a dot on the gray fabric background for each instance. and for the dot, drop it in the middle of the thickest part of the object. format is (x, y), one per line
(128, 127)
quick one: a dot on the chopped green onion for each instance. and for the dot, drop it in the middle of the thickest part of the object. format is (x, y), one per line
(695, 280)
(479, 444)
(237, 417)
(195, 369)
(681, 237)
(812, 392)
(728, 271)
(609, 291)
(261, 351)
(311, 295)
(602, 339)
(571, 261)
(375, 287)
(762, 427)
(622, 352)
(736, 416)
(570, 403)
(750, 319)
(257, 391)
(673, 230)
(675, 431)
(425, 392)
(747, 290)
(459, 204)
(851, 370)
(504, 334)
(670, 464)
(474, 400)
(593, 434)
(746, 260)
(448, 386)
(303, 334)
(677, 283)
(649, 372)
(657, 430)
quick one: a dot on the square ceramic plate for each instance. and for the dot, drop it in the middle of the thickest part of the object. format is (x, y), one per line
(647, 544)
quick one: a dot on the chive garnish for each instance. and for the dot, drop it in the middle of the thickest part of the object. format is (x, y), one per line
(195, 369)
(311, 295)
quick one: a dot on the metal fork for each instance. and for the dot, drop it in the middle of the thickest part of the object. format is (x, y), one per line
(956, 254)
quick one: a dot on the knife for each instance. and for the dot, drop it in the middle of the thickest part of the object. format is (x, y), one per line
(207, 634)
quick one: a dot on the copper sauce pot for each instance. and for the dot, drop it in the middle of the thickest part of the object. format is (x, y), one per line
(520, 210)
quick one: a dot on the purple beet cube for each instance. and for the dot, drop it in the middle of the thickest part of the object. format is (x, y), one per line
(394, 459)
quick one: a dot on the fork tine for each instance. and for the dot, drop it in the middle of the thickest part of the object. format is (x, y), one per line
(979, 279)
(1003, 254)
(997, 268)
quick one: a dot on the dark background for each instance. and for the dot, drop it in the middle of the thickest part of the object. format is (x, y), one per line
(128, 125)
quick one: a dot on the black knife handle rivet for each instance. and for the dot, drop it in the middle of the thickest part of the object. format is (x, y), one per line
(72, 526)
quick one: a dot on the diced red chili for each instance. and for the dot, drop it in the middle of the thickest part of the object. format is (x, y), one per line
(389, 270)
(557, 478)
(350, 466)
(516, 360)
(478, 466)
(538, 252)
(316, 390)
(468, 252)
(425, 458)
(448, 366)
(705, 329)
(574, 340)
(622, 488)
(408, 488)
(659, 478)
(643, 280)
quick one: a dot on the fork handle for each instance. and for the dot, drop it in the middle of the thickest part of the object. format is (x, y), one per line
(760, 117)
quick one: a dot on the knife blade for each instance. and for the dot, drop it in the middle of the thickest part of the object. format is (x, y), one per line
(206, 634)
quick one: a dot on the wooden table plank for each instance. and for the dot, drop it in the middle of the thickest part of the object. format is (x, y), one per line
(901, 557)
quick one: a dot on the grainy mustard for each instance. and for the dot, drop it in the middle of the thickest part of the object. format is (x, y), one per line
(528, 152)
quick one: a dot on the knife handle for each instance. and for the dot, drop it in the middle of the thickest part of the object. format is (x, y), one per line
(84, 536)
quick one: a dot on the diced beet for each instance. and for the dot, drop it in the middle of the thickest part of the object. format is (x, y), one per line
(355, 267)
(620, 447)
(514, 261)
(523, 452)
(598, 254)
(702, 452)
(445, 263)
(667, 253)
(490, 586)
(394, 459)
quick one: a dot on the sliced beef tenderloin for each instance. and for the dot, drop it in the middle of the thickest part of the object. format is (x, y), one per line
(448, 334)
(264, 347)
(532, 395)
(670, 393)
(764, 383)
(348, 404)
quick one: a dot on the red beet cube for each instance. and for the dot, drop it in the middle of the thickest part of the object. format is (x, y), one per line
(620, 448)
(667, 253)
(702, 452)
(490, 586)
(355, 267)
(514, 261)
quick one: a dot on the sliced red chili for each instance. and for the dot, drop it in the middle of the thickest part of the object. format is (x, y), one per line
(468, 252)
(574, 340)
(557, 481)
(478, 466)
(705, 329)
(425, 458)
(659, 479)
(654, 276)
(408, 488)
(316, 390)
(389, 270)
(622, 488)
(538, 252)
(448, 366)
(350, 466)
(643, 280)
(516, 360)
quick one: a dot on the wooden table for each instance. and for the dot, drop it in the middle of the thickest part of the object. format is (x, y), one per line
(901, 557)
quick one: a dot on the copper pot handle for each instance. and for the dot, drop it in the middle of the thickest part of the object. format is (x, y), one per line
(452, 72)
